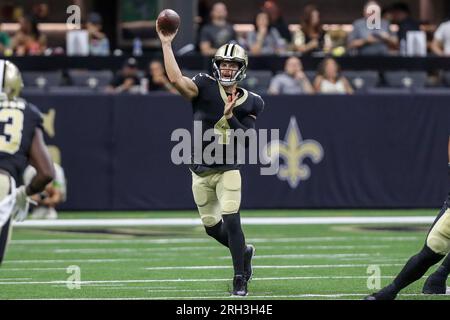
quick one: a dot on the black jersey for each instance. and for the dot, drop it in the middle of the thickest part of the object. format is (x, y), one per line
(18, 120)
(208, 109)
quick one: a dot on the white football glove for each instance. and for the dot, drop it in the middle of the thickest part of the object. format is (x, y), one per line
(22, 204)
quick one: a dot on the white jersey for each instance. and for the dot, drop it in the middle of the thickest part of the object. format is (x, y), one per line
(327, 86)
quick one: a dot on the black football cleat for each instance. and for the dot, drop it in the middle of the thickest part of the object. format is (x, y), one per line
(435, 284)
(387, 293)
(239, 286)
(248, 257)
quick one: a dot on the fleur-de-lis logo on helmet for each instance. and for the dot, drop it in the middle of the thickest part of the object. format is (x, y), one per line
(294, 150)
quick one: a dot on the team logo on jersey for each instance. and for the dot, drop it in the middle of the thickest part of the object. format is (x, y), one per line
(293, 150)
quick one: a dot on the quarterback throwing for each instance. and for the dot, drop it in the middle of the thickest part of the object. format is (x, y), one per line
(219, 104)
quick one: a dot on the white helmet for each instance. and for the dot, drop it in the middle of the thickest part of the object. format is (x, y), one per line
(230, 52)
(10, 80)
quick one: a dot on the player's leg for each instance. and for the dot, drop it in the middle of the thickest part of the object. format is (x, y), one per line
(229, 195)
(5, 236)
(437, 282)
(5, 226)
(208, 207)
(435, 249)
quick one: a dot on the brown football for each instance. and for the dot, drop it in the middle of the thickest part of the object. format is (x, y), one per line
(168, 21)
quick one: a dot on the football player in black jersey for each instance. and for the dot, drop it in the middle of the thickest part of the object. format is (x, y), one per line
(219, 104)
(437, 246)
(21, 143)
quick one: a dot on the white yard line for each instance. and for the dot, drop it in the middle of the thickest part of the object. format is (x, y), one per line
(207, 240)
(303, 266)
(247, 221)
(152, 259)
(202, 248)
(87, 283)
(312, 295)
(224, 267)
(335, 295)
(31, 269)
(310, 256)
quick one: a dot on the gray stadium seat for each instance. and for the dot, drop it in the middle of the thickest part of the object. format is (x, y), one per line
(71, 90)
(387, 90)
(362, 80)
(33, 90)
(257, 81)
(405, 79)
(437, 91)
(41, 79)
(447, 78)
(91, 79)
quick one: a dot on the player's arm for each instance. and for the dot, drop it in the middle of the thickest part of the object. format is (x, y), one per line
(41, 161)
(184, 85)
(246, 123)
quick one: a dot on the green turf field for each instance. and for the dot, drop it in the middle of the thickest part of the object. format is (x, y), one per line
(181, 262)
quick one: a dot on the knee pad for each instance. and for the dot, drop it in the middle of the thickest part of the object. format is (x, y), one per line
(231, 192)
(210, 221)
(438, 239)
(200, 196)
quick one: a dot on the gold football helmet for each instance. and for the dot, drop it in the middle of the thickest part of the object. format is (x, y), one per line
(11, 82)
(230, 52)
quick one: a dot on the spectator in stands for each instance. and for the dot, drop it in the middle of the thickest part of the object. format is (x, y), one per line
(157, 78)
(98, 41)
(40, 12)
(216, 33)
(5, 42)
(292, 81)
(126, 79)
(311, 36)
(441, 41)
(276, 20)
(371, 41)
(387, 14)
(401, 15)
(28, 40)
(265, 39)
(53, 195)
(329, 79)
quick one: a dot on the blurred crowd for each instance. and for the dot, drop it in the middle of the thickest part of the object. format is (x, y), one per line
(30, 40)
(271, 34)
(292, 80)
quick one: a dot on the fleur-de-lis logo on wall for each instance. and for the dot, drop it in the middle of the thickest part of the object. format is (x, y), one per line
(49, 122)
(294, 150)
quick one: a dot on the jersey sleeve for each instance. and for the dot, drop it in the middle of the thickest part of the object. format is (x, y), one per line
(36, 116)
(202, 80)
(258, 106)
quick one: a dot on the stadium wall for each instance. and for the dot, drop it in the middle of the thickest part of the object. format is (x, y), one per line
(363, 151)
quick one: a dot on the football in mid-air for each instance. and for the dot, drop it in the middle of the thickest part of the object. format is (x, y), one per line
(168, 21)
